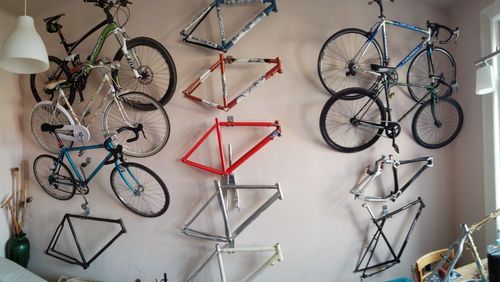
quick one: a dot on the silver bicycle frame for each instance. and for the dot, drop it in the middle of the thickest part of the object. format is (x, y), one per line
(465, 239)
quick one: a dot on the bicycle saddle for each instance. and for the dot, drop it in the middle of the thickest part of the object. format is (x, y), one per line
(382, 69)
(51, 85)
(54, 18)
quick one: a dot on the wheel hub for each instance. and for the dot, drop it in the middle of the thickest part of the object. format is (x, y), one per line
(352, 69)
(146, 75)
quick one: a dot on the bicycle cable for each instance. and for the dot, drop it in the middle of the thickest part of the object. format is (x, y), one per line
(126, 12)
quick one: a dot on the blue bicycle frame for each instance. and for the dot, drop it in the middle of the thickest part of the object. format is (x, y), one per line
(83, 181)
(381, 26)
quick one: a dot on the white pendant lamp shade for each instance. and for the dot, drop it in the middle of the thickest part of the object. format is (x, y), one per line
(485, 79)
(23, 50)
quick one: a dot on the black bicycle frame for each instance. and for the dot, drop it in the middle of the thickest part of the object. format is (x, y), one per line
(370, 249)
(397, 190)
(51, 251)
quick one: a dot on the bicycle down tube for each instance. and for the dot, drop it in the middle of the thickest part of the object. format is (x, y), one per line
(226, 170)
(226, 106)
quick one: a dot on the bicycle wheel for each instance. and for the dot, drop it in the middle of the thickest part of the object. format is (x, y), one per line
(155, 66)
(57, 70)
(338, 67)
(123, 112)
(55, 178)
(418, 73)
(435, 131)
(150, 198)
(47, 112)
(352, 125)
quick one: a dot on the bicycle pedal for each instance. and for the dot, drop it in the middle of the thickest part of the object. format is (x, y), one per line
(391, 95)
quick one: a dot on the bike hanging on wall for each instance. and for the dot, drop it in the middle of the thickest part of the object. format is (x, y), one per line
(221, 63)
(345, 58)
(117, 107)
(355, 118)
(137, 187)
(224, 43)
(146, 65)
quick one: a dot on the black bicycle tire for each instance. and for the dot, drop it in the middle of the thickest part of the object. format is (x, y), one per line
(149, 42)
(155, 176)
(340, 96)
(64, 66)
(412, 63)
(414, 130)
(333, 37)
(62, 165)
(155, 106)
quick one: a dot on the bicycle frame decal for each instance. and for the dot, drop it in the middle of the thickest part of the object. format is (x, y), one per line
(226, 170)
(109, 29)
(365, 260)
(359, 190)
(225, 44)
(226, 106)
(277, 256)
(51, 249)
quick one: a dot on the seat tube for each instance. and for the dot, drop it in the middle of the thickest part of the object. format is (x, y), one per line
(221, 146)
(221, 24)
(384, 42)
(223, 78)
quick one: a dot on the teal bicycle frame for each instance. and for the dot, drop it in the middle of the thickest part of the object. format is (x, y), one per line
(83, 181)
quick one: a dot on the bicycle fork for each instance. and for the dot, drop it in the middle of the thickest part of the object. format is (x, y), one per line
(121, 168)
(132, 60)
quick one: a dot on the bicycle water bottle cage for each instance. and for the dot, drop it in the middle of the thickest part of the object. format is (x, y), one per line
(359, 189)
(221, 63)
(223, 168)
(225, 44)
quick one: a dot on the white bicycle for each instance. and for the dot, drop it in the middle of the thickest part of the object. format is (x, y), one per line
(118, 108)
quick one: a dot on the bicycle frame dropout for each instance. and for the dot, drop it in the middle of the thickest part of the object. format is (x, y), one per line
(226, 106)
(225, 44)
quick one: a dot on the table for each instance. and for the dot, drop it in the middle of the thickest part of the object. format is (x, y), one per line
(470, 270)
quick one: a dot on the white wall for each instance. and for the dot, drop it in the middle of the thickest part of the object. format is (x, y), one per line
(318, 224)
(468, 170)
(11, 126)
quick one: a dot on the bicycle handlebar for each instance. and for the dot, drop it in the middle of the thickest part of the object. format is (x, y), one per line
(435, 27)
(108, 3)
(135, 130)
(378, 1)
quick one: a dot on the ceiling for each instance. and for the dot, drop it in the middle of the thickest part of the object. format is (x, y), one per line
(16, 7)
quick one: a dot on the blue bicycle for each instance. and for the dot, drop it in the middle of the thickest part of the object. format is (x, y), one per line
(136, 186)
(346, 58)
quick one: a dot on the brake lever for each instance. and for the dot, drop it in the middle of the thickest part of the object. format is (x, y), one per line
(136, 130)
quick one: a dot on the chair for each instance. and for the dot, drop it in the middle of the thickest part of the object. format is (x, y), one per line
(429, 259)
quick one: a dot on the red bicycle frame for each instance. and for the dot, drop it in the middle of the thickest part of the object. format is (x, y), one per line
(226, 106)
(218, 124)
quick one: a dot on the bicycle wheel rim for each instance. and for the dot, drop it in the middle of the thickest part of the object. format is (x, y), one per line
(337, 121)
(156, 125)
(48, 113)
(418, 73)
(153, 199)
(427, 133)
(157, 70)
(336, 55)
(43, 167)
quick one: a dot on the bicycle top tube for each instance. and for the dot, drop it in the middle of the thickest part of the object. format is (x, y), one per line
(227, 105)
(224, 169)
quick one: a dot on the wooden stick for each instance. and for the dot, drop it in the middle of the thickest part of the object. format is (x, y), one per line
(24, 166)
(18, 195)
(15, 172)
(7, 203)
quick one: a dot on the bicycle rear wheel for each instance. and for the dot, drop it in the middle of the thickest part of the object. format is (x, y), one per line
(418, 73)
(58, 70)
(47, 112)
(150, 197)
(337, 66)
(437, 130)
(55, 178)
(155, 66)
(123, 111)
(349, 125)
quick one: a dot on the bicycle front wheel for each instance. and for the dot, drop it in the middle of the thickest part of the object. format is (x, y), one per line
(352, 125)
(140, 189)
(344, 59)
(47, 112)
(438, 62)
(156, 68)
(58, 70)
(54, 177)
(435, 125)
(123, 111)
